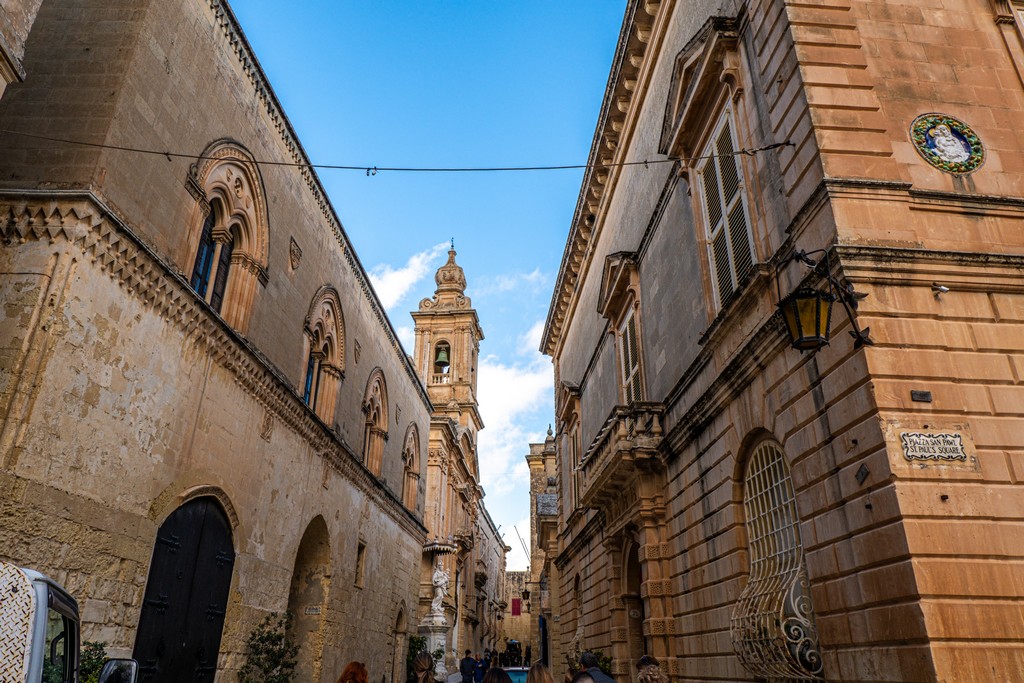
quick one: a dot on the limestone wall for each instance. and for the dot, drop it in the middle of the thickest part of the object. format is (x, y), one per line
(117, 409)
(908, 557)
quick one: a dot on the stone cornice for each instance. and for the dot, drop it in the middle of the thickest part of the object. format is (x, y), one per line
(642, 25)
(83, 220)
(237, 42)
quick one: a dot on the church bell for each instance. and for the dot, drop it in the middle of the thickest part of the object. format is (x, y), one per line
(442, 358)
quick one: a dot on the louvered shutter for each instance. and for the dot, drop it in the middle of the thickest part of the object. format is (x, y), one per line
(731, 250)
(630, 354)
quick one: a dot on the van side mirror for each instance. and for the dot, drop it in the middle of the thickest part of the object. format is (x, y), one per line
(119, 671)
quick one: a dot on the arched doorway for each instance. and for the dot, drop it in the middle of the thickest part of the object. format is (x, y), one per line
(307, 600)
(398, 656)
(186, 595)
(634, 605)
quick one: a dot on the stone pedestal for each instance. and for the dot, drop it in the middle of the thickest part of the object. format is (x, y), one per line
(435, 629)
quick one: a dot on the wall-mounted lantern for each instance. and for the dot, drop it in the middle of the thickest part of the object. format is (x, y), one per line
(808, 311)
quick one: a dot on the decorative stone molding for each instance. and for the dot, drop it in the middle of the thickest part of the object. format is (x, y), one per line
(237, 43)
(656, 588)
(88, 225)
(710, 59)
(632, 55)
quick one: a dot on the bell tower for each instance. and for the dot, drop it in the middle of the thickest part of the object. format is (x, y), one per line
(447, 350)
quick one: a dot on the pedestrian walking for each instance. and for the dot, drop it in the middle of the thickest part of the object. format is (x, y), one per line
(467, 667)
(539, 674)
(588, 660)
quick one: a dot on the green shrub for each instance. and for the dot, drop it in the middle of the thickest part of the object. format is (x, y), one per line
(270, 653)
(90, 661)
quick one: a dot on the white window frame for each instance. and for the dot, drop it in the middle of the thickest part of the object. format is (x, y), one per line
(711, 160)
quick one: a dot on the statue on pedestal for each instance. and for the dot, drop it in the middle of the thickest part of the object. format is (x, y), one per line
(440, 581)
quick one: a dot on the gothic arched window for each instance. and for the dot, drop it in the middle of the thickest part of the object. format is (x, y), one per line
(325, 353)
(375, 433)
(773, 629)
(229, 238)
(411, 467)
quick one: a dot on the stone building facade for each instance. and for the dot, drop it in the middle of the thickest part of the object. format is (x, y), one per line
(462, 539)
(543, 574)
(743, 510)
(205, 414)
(16, 20)
(517, 618)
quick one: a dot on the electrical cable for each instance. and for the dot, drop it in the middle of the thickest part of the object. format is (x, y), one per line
(373, 170)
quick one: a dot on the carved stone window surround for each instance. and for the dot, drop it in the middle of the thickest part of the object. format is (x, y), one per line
(84, 220)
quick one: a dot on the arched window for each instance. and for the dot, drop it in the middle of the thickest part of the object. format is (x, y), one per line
(229, 238)
(442, 363)
(411, 467)
(325, 353)
(375, 433)
(773, 630)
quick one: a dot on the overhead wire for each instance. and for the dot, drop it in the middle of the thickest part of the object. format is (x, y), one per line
(373, 170)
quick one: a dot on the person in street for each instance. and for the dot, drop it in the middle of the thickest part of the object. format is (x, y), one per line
(588, 662)
(497, 675)
(649, 671)
(582, 677)
(481, 668)
(467, 667)
(423, 667)
(539, 674)
(354, 672)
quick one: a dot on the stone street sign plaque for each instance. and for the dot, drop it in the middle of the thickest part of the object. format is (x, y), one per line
(547, 503)
(935, 447)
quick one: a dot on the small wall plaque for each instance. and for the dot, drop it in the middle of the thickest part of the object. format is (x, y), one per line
(948, 447)
(312, 611)
(547, 503)
(921, 396)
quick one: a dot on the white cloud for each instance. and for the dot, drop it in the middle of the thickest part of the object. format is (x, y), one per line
(534, 281)
(392, 284)
(515, 403)
(529, 342)
(407, 336)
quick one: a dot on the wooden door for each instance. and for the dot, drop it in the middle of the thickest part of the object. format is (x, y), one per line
(186, 596)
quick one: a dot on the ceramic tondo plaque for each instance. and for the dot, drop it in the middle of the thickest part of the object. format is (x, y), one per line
(947, 143)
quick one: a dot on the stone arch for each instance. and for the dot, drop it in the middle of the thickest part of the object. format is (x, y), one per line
(307, 599)
(324, 333)
(229, 236)
(411, 464)
(632, 579)
(375, 434)
(398, 673)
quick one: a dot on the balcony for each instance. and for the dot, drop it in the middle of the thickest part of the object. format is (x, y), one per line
(626, 445)
(442, 378)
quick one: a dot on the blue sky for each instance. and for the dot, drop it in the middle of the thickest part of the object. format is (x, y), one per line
(452, 84)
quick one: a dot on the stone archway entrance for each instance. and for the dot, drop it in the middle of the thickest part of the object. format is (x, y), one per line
(398, 657)
(182, 617)
(634, 604)
(307, 600)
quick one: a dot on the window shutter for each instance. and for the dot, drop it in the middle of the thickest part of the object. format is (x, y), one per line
(731, 250)
(630, 353)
